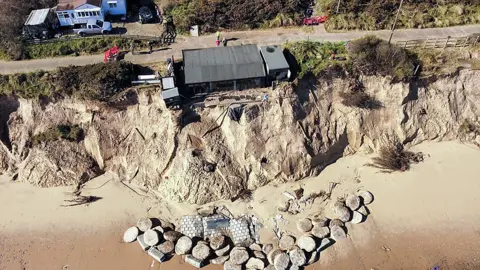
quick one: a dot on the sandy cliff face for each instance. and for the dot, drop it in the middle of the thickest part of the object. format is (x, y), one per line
(294, 135)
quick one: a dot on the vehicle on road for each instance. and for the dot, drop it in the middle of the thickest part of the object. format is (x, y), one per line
(93, 27)
(111, 54)
(145, 15)
(316, 20)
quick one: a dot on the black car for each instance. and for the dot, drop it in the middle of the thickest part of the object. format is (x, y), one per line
(145, 15)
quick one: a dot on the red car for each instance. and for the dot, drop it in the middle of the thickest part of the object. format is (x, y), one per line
(111, 54)
(314, 20)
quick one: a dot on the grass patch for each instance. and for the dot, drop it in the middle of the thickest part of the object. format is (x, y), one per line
(83, 46)
(94, 82)
(369, 56)
(314, 57)
(73, 133)
(395, 158)
(380, 14)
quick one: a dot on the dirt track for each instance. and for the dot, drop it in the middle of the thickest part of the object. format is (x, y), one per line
(261, 37)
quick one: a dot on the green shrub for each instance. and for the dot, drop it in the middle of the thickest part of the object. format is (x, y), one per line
(95, 82)
(73, 133)
(82, 46)
(373, 56)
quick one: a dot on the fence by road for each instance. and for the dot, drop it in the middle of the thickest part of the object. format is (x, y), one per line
(440, 43)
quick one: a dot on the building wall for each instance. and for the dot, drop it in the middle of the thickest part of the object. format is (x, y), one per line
(79, 15)
(114, 7)
(226, 86)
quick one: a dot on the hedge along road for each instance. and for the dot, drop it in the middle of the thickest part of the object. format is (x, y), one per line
(261, 37)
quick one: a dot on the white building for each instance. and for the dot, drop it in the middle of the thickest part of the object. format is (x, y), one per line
(71, 12)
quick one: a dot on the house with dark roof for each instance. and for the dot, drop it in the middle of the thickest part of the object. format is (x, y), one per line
(71, 12)
(223, 68)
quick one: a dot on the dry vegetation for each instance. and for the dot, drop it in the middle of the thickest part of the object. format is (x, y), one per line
(380, 14)
(96, 82)
(73, 133)
(235, 14)
(373, 56)
(12, 17)
(395, 158)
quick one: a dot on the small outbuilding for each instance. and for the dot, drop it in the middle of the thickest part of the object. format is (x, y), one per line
(72, 12)
(275, 63)
(223, 68)
(40, 24)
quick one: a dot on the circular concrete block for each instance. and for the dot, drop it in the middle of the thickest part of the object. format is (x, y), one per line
(183, 246)
(320, 232)
(286, 242)
(307, 243)
(217, 242)
(166, 247)
(201, 251)
(352, 202)
(144, 224)
(298, 257)
(151, 237)
(367, 197)
(338, 233)
(239, 256)
(130, 234)
(281, 261)
(304, 225)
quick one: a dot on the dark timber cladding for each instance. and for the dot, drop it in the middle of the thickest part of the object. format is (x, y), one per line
(222, 64)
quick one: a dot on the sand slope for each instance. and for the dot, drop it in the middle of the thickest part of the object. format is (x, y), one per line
(420, 218)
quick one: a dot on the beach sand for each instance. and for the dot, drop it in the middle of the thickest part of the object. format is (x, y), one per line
(422, 218)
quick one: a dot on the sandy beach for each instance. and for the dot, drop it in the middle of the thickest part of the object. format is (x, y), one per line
(421, 218)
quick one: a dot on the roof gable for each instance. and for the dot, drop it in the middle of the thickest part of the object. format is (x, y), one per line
(73, 4)
(222, 64)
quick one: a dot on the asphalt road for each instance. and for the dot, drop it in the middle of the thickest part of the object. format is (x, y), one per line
(261, 37)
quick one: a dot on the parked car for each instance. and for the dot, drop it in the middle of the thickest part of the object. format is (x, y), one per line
(93, 27)
(314, 20)
(145, 15)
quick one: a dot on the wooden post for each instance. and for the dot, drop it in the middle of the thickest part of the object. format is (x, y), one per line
(395, 22)
(446, 43)
(405, 46)
(435, 45)
(425, 43)
(465, 44)
(338, 5)
(476, 40)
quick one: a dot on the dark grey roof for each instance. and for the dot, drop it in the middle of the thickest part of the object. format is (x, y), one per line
(222, 64)
(274, 58)
(37, 16)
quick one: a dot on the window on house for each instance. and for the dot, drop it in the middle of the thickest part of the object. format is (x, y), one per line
(73, 15)
(90, 13)
(112, 4)
(60, 15)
